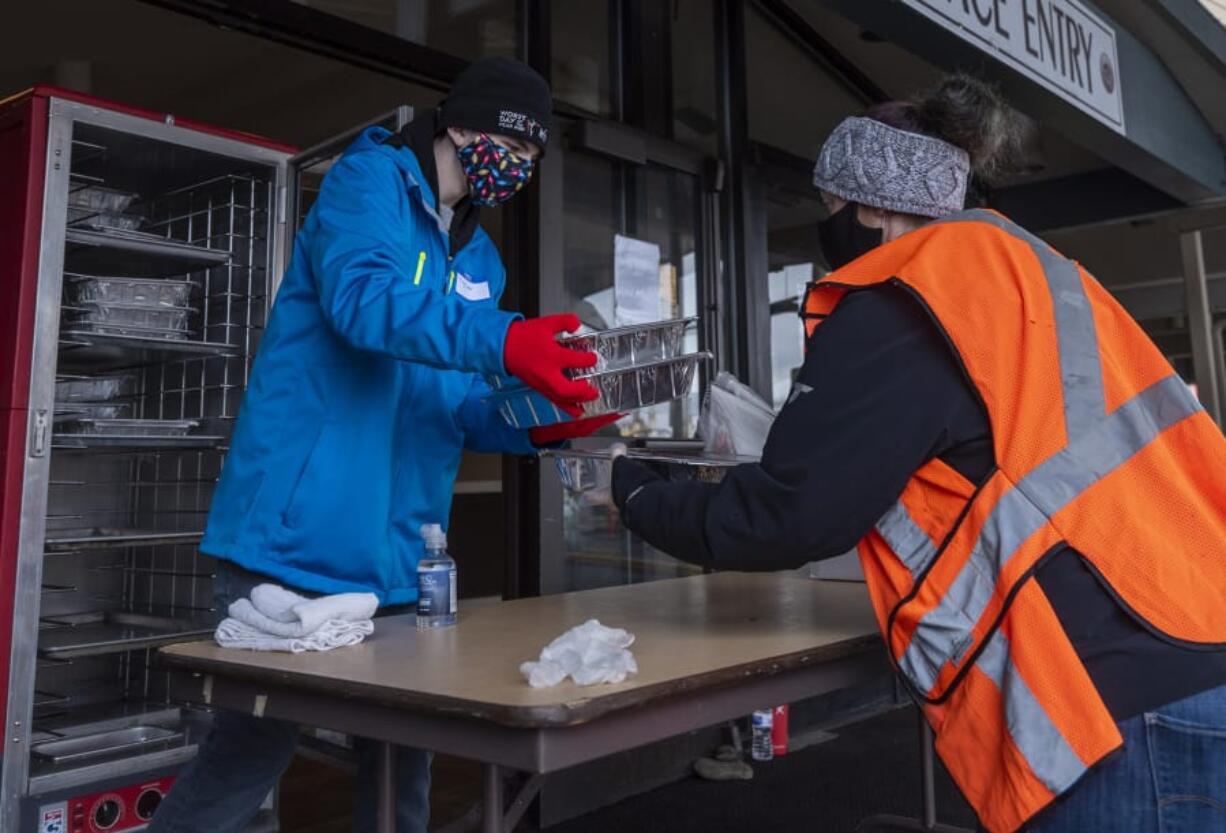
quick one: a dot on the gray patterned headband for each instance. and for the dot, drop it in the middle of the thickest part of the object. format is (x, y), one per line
(871, 163)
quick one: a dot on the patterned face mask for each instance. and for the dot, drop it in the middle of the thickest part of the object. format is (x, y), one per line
(495, 174)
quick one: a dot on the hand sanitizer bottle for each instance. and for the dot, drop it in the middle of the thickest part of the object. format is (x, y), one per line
(436, 584)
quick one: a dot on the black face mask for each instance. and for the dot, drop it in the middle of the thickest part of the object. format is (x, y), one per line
(844, 238)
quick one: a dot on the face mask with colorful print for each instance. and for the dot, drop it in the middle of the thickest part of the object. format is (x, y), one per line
(495, 174)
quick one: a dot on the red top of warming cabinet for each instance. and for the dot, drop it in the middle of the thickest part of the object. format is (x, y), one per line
(48, 91)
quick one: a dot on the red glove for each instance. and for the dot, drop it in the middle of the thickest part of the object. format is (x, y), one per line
(531, 353)
(561, 431)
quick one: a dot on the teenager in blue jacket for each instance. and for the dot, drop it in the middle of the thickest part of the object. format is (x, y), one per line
(366, 390)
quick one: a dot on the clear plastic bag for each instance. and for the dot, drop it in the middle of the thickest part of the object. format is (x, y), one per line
(734, 420)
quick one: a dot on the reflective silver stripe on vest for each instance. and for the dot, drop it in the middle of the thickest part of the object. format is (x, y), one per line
(1098, 444)
(1076, 338)
(1039, 740)
(908, 541)
(944, 632)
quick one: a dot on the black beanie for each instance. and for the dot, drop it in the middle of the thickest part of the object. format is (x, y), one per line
(499, 95)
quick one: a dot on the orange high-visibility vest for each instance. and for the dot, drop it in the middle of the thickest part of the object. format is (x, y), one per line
(1098, 444)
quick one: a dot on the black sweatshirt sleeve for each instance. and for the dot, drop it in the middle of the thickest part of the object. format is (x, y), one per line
(880, 393)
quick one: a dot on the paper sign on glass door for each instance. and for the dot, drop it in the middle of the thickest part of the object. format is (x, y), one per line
(636, 281)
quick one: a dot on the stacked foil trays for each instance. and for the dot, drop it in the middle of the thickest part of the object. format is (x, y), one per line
(101, 397)
(635, 367)
(96, 410)
(147, 307)
(121, 306)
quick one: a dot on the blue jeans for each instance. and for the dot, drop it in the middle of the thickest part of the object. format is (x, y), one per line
(1170, 777)
(243, 757)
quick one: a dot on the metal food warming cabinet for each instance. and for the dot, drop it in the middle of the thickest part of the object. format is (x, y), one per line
(138, 259)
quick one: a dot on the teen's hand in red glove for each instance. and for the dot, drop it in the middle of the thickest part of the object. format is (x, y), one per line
(532, 354)
(562, 431)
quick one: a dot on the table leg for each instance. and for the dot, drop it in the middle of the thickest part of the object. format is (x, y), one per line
(491, 819)
(520, 803)
(513, 815)
(385, 773)
(928, 800)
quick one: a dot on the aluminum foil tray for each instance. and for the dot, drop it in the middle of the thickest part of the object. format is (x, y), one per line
(104, 743)
(95, 389)
(85, 218)
(100, 198)
(620, 391)
(72, 411)
(624, 347)
(128, 427)
(151, 333)
(618, 348)
(139, 316)
(148, 292)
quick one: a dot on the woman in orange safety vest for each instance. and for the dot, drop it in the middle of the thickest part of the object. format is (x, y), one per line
(1038, 500)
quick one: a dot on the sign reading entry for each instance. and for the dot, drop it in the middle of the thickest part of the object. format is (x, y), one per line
(1057, 43)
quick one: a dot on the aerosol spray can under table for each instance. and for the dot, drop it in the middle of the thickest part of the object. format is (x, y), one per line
(779, 730)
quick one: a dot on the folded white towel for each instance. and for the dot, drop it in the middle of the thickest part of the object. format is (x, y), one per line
(276, 619)
(232, 633)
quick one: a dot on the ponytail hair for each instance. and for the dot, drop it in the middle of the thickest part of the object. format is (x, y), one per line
(970, 114)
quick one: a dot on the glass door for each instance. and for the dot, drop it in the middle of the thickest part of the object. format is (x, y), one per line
(308, 168)
(615, 191)
(608, 201)
(792, 210)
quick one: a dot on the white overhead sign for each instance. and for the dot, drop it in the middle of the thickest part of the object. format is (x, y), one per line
(1057, 43)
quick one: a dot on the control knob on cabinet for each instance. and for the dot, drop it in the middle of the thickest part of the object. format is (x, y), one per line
(107, 813)
(147, 803)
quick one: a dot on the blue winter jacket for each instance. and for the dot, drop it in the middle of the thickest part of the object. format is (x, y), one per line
(366, 387)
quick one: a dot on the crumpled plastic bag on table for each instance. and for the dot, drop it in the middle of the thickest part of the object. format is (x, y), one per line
(734, 421)
(589, 654)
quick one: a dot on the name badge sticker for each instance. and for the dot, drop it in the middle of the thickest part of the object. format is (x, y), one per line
(470, 289)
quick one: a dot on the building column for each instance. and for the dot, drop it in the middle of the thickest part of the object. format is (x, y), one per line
(1206, 354)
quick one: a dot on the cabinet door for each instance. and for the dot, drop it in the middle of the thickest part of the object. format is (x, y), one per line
(308, 168)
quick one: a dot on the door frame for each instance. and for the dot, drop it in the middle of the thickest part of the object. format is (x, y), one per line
(290, 197)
